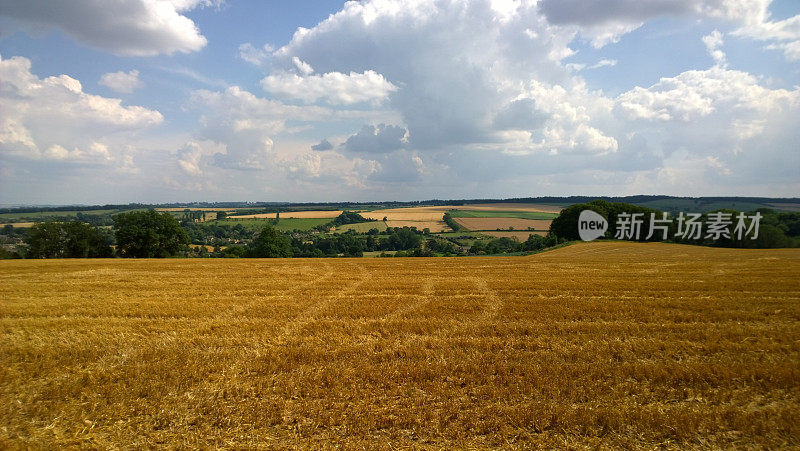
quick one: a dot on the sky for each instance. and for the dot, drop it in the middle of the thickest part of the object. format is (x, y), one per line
(314, 101)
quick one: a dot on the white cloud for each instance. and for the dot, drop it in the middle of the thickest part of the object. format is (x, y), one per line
(194, 75)
(491, 53)
(713, 42)
(724, 117)
(253, 55)
(783, 35)
(334, 87)
(123, 27)
(123, 82)
(189, 158)
(695, 94)
(53, 118)
(303, 67)
(246, 125)
(481, 101)
(95, 152)
(603, 63)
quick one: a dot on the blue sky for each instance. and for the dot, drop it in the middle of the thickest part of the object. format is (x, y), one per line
(191, 100)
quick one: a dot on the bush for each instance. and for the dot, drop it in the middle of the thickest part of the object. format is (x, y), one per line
(452, 223)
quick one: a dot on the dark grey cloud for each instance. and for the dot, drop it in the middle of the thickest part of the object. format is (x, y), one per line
(594, 12)
(123, 27)
(381, 139)
(323, 145)
(520, 115)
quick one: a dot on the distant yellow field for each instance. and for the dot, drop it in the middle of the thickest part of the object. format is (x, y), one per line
(295, 214)
(195, 209)
(21, 225)
(431, 216)
(404, 214)
(512, 207)
(597, 345)
(503, 223)
(520, 236)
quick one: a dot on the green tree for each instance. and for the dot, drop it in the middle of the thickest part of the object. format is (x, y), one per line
(404, 238)
(46, 240)
(148, 234)
(221, 215)
(85, 241)
(74, 239)
(270, 243)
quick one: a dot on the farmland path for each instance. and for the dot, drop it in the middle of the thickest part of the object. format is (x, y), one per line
(313, 279)
(493, 301)
(422, 299)
(308, 315)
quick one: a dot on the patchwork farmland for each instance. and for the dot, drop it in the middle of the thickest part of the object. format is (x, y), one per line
(504, 224)
(592, 345)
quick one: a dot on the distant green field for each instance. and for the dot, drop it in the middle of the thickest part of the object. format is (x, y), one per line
(51, 214)
(701, 206)
(363, 227)
(502, 214)
(284, 225)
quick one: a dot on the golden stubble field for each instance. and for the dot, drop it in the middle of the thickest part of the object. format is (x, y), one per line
(601, 344)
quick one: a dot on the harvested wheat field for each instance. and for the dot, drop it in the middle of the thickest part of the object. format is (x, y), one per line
(21, 225)
(404, 214)
(434, 226)
(520, 236)
(503, 223)
(195, 209)
(293, 214)
(598, 345)
(512, 207)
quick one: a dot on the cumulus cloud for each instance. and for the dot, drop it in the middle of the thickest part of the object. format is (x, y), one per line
(721, 115)
(502, 106)
(492, 51)
(189, 158)
(123, 27)
(333, 87)
(695, 94)
(53, 118)
(380, 139)
(323, 145)
(245, 125)
(122, 82)
(254, 55)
